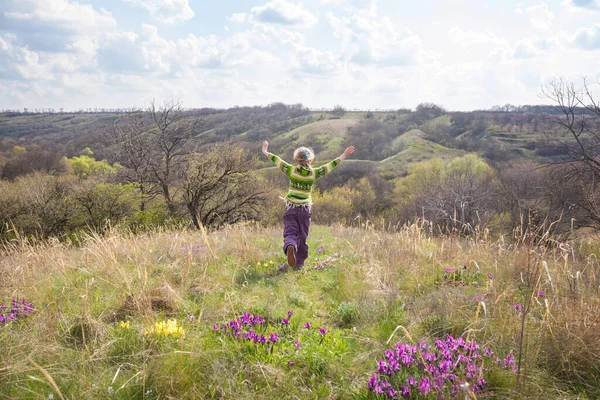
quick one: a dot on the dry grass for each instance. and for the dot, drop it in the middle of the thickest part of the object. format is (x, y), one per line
(383, 279)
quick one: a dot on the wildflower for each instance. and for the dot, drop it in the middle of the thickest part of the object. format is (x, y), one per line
(271, 262)
(50, 396)
(110, 390)
(290, 313)
(518, 307)
(167, 328)
(464, 267)
(273, 337)
(405, 392)
(425, 385)
(191, 318)
(323, 331)
(541, 293)
(291, 363)
(297, 344)
(123, 325)
(321, 249)
(490, 277)
(215, 327)
(448, 271)
(307, 325)
(285, 321)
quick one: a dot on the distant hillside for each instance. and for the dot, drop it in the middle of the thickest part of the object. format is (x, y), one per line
(390, 140)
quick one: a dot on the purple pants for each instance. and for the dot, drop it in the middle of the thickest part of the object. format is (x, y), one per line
(296, 223)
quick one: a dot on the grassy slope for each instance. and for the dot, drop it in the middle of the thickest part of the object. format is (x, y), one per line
(378, 282)
(329, 134)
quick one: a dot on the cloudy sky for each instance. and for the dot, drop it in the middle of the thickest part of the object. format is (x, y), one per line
(368, 54)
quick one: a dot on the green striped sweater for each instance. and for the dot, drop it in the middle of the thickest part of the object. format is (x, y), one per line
(302, 179)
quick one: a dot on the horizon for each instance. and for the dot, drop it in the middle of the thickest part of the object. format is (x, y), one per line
(361, 54)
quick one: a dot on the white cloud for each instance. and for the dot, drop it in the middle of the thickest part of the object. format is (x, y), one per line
(166, 11)
(237, 18)
(54, 25)
(18, 62)
(372, 40)
(540, 17)
(469, 38)
(283, 12)
(587, 38)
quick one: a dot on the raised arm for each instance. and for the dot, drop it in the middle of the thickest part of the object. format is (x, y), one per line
(330, 166)
(282, 165)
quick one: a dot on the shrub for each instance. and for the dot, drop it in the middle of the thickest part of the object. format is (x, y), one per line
(346, 314)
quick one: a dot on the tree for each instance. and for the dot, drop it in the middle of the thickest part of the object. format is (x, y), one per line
(458, 195)
(153, 146)
(133, 148)
(220, 186)
(579, 139)
(338, 111)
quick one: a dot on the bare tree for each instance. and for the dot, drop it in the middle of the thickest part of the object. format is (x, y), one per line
(580, 121)
(133, 150)
(221, 186)
(153, 145)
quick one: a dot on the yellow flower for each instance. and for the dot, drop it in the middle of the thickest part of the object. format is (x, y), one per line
(271, 262)
(123, 325)
(167, 328)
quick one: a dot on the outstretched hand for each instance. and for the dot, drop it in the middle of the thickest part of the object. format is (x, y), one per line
(347, 152)
(265, 148)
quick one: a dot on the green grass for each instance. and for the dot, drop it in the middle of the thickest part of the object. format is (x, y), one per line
(368, 289)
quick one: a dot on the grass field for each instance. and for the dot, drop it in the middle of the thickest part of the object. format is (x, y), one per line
(96, 327)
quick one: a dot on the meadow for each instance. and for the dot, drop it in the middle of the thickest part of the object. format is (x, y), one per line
(182, 314)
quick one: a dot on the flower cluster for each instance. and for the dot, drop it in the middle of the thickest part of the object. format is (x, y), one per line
(166, 328)
(246, 327)
(18, 309)
(123, 325)
(328, 262)
(410, 371)
(265, 264)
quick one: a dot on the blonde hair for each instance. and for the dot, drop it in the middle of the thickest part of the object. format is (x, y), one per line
(302, 155)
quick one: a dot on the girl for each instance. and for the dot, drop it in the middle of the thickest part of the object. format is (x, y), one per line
(296, 218)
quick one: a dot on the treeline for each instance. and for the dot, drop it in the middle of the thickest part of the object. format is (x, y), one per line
(465, 195)
(156, 175)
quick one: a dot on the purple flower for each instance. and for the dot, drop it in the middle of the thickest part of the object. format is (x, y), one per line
(541, 293)
(425, 385)
(273, 337)
(518, 307)
(285, 321)
(490, 277)
(372, 382)
(323, 331)
(291, 363)
(297, 344)
(464, 267)
(321, 249)
(411, 380)
(290, 313)
(191, 318)
(448, 271)
(405, 392)
(307, 325)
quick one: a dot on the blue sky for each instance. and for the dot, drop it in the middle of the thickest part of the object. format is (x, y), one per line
(368, 54)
